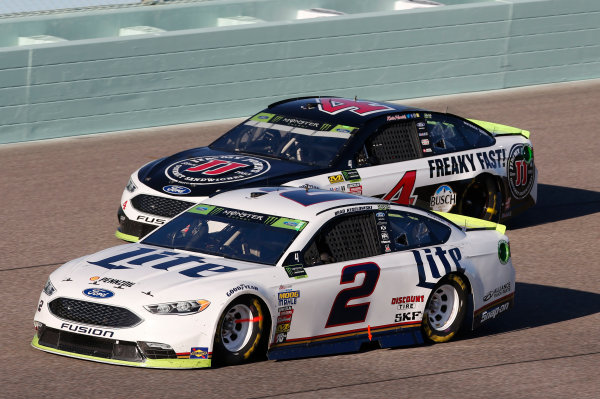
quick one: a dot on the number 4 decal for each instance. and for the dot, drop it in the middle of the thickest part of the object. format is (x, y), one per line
(341, 313)
(403, 191)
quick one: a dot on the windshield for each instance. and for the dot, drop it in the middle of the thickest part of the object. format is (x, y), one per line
(291, 139)
(230, 233)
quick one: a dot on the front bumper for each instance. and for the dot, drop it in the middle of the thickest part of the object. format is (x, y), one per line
(131, 230)
(115, 351)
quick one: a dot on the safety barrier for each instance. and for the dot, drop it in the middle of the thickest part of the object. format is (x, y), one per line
(110, 70)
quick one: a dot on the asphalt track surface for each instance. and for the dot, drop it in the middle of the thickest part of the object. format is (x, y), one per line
(59, 200)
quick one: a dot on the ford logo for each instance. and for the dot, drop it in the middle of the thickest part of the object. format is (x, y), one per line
(293, 224)
(177, 190)
(98, 293)
(342, 130)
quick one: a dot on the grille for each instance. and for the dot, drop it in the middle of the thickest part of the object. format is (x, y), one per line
(396, 143)
(93, 313)
(90, 346)
(165, 207)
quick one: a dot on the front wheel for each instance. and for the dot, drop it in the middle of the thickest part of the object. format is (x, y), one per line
(240, 332)
(445, 309)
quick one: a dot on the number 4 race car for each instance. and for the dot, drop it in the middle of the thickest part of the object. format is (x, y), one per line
(406, 155)
(286, 272)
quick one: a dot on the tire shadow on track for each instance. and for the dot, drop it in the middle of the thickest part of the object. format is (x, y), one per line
(556, 203)
(532, 304)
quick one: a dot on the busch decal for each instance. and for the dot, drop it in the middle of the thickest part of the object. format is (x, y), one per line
(520, 171)
(216, 169)
(443, 199)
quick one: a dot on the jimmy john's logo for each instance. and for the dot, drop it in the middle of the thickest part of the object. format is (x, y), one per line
(216, 169)
(520, 170)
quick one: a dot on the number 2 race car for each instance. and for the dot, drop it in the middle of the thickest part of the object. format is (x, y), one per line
(286, 272)
(405, 155)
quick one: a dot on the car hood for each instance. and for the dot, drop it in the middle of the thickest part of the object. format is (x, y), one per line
(144, 270)
(202, 171)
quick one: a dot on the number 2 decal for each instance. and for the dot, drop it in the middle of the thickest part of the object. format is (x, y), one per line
(402, 193)
(341, 313)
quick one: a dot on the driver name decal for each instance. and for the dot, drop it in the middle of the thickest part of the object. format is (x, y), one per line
(216, 169)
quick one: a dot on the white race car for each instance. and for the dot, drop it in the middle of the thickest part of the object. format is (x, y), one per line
(286, 272)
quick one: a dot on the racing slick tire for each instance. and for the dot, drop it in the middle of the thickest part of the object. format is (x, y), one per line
(445, 309)
(482, 199)
(241, 332)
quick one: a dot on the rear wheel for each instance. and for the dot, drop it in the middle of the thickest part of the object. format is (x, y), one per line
(445, 309)
(240, 333)
(482, 199)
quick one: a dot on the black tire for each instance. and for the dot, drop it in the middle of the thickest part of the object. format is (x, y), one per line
(482, 199)
(445, 309)
(240, 335)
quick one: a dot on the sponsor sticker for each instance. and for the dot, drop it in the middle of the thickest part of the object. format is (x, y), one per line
(351, 175)
(335, 179)
(199, 353)
(98, 293)
(443, 199)
(520, 170)
(177, 190)
(216, 169)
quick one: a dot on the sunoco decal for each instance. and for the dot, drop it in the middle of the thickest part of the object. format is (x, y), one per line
(443, 199)
(216, 169)
(520, 171)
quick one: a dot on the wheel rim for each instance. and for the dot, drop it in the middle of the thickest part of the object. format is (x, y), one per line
(443, 307)
(237, 327)
(480, 201)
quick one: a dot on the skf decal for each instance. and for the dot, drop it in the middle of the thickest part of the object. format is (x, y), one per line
(437, 264)
(162, 260)
(334, 106)
(458, 164)
(408, 316)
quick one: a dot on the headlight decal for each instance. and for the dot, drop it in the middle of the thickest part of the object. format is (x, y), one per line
(178, 307)
(49, 288)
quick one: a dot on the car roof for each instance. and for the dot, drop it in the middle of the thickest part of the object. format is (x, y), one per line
(345, 111)
(287, 201)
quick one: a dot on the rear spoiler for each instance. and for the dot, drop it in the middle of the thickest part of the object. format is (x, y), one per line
(500, 130)
(470, 223)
